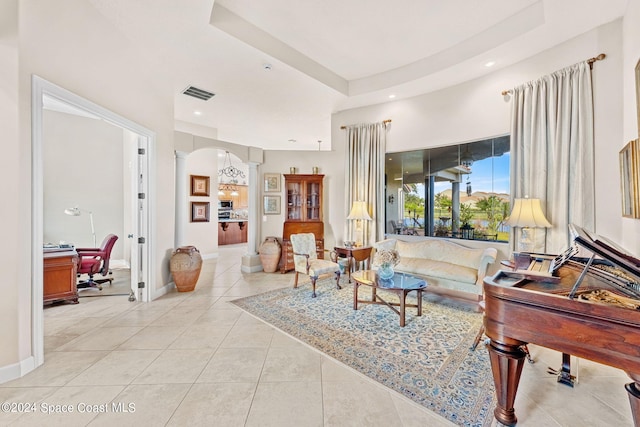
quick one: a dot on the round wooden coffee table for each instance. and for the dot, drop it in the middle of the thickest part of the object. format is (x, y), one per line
(401, 284)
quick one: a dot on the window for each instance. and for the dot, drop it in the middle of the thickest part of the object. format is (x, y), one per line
(457, 191)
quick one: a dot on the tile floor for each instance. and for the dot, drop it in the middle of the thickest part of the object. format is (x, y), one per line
(192, 359)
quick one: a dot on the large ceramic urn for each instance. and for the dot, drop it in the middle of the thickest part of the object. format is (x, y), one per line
(185, 266)
(270, 254)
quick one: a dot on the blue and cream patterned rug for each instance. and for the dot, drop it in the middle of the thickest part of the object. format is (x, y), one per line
(428, 360)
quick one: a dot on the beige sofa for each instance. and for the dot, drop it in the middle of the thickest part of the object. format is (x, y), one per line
(449, 267)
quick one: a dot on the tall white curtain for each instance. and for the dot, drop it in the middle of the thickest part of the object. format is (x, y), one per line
(552, 151)
(366, 146)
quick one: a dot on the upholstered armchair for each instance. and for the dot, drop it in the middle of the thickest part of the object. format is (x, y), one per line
(305, 260)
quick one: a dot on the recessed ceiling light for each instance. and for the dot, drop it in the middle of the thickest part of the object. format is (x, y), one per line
(490, 64)
(392, 96)
(292, 140)
(197, 113)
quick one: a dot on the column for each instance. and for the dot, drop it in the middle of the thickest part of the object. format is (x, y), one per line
(182, 190)
(251, 261)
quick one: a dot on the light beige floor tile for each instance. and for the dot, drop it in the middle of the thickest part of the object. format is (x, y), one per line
(179, 316)
(175, 366)
(357, 403)
(71, 325)
(119, 367)
(105, 338)
(82, 405)
(143, 405)
(413, 415)
(248, 336)
(215, 404)
(29, 396)
(291, 364)
(59, 368)
(217, 318)
(138, 317)
(234, 365)
(287, 404)
(202, 336)
(153, 337)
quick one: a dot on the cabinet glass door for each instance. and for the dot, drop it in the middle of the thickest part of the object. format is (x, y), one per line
(294, 201)
(313, 201)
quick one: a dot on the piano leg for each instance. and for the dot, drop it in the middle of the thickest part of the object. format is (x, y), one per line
(633, 391)
(506, 364)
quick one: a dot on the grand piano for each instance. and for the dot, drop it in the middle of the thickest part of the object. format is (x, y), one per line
(588, 307)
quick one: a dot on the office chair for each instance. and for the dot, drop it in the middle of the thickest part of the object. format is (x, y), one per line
(96, 261)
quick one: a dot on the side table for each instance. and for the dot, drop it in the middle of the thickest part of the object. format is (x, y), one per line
(354, 256)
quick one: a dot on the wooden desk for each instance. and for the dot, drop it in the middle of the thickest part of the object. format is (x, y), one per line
(59, 275)
(361, 254)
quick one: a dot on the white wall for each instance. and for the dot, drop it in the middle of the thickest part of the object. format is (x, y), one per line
(476, 110)
(332, 165)
(204, 235)
(76, 48)
(83, 166)
(15, 309)
(630, 228)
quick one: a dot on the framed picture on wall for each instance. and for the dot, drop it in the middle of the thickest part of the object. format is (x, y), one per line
(271, 182)
(629, 179)
(199, 211)
(271, 205)
(199, 185)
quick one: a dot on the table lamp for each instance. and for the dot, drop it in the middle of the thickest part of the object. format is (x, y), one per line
(527, 215)
(76, 211)
(359, 213)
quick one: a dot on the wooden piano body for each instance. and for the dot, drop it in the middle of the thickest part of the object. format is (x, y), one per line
(519, 311)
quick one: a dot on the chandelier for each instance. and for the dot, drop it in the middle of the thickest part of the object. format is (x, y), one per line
(230, 171)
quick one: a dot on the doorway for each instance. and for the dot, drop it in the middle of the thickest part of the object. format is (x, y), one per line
(136, 209)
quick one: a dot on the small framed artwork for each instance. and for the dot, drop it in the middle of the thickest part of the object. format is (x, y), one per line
(271, 205)
(629, 179)
(271, 182)
(199, 185)
(199, 211)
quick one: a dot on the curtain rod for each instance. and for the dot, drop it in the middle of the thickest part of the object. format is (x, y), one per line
(590, 61)
(384, 121)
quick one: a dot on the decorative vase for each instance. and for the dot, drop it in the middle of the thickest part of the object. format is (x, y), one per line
(270, 254)
(385, 272)
(185, 266)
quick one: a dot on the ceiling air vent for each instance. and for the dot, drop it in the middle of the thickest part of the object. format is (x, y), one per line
(198, 93)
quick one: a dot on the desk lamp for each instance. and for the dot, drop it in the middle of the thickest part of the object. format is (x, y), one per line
(527, 215)
(359, 213)
(76, 211)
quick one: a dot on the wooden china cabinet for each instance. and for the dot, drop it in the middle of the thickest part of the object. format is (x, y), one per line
(303, 214)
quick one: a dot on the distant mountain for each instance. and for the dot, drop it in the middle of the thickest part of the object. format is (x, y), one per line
(475, 196)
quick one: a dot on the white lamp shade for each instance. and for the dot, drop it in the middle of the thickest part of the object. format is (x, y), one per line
(527, 213)
(359, 211)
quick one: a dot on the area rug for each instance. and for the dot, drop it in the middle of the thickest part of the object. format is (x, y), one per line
(428, 361)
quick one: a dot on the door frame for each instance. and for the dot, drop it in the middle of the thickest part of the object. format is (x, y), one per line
(39, 88)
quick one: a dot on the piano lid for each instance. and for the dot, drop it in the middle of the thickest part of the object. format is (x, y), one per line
(606, 249)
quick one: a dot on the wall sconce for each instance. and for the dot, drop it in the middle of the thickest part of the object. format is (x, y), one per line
(391, 199)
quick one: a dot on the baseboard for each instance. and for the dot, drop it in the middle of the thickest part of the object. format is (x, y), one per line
(16, 370)
(163, 290)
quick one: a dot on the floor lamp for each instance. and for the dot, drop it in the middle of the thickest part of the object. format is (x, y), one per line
(76, 211)
(359, 213)
(527, 215)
